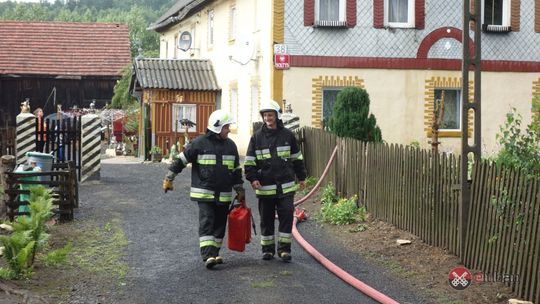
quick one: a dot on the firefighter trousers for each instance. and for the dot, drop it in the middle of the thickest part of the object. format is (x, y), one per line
(212, 224)
(284, 207)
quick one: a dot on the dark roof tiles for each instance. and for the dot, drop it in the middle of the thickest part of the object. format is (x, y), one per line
(63, 48)
(176, 74)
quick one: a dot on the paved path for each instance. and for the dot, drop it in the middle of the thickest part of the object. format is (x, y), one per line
(163, 250)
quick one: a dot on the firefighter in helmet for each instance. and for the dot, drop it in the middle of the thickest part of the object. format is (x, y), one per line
(274, 166)
(215, 172)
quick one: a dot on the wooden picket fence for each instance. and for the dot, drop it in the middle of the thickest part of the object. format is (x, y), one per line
(417, 191)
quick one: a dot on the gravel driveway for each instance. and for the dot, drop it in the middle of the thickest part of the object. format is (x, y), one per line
(163, 253)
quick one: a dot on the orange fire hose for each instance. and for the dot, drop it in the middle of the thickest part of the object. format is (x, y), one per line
(340, 273)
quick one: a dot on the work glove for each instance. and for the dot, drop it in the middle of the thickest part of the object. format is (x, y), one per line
(167, 185)
(240, 193)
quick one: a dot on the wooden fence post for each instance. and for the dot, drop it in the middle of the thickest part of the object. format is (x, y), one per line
(7, 164)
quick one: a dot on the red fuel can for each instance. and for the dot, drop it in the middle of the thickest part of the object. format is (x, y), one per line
(239, 231)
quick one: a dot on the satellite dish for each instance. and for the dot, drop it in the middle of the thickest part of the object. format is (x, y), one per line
(244, 49)
(184, 41)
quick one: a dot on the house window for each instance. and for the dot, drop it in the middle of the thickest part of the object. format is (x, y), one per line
(496, 15)
(232, 23)
(399, 13)
(452, 108)
(234, 103)
(330, 13)
(329, 99)
(210, 28)
(255, 116)
(183, 111)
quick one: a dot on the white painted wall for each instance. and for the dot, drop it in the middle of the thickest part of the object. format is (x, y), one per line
(253, 19)
(397, 100)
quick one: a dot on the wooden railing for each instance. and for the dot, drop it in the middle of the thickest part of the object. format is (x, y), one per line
(62, 180)
(418, 191)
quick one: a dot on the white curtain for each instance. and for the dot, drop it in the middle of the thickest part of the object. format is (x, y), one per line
(398, 10)
(329, 10)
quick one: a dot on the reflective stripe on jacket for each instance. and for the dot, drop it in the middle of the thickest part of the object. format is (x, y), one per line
(275, 160)
(215, 168)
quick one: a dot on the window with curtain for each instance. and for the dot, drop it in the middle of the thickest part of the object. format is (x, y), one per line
(399, 13)
(496, 12)
(210, 28)
(183, 111)
(452, 108)
(234, 103)
(255, 116)
(329, 99)
(330, 12)
(232, 23)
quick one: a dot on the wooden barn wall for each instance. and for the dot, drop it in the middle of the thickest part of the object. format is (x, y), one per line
(69, 92)
(162, 124)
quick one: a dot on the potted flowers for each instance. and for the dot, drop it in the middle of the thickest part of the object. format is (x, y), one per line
(156, 153)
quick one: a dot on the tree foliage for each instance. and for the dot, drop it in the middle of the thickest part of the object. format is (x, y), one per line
(351, 117)
(520, 147)
(121, 98)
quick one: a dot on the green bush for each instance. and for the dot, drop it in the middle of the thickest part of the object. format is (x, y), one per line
(310, 183)
(350, 116)
(58, 256)
(340, 211)
(28, 236)
(520, 148)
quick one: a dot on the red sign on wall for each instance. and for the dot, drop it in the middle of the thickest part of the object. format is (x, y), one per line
(281, 61)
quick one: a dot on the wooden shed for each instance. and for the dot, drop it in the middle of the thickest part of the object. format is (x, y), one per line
(169, 91)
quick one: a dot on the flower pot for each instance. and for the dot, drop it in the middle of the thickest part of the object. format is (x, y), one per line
(156, 157)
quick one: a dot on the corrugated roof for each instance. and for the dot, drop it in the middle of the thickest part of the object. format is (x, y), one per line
(176, 74)
(180, 10)
(63, 48)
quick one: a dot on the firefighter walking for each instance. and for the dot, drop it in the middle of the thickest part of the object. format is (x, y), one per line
(273, 165)
(215, 172)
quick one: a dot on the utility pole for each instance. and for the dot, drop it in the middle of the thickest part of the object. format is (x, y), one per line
(469, 63)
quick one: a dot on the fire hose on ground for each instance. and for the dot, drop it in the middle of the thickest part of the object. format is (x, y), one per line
(340, 273)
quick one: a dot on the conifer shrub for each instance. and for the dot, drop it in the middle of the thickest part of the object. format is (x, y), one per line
(351, 117)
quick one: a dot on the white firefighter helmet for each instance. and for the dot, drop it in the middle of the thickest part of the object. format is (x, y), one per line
(271, 106)
(218, 119)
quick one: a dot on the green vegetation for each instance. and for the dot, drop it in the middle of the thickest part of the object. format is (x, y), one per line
(351, 118)
(28, 237)
(520, 147)
(310, 183)
(264, 284)
(340, 211)
(101, 251)
(57, 257)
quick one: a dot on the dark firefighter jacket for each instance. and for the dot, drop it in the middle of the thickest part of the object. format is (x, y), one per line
(215, 168)
(274, 159)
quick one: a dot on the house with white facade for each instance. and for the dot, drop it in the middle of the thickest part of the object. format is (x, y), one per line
(405, 54)
(236, 35)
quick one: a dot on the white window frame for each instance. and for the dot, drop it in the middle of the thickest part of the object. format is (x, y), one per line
(179, 112)
(459, 107)
(234, 103)
(255, 115)
(410, 16)
(506, 14)
(342, 14)
(232, 22)
(211, 20)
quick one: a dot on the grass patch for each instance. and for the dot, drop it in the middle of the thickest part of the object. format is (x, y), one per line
(263, 284)
(285, 273)
(102, 251)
